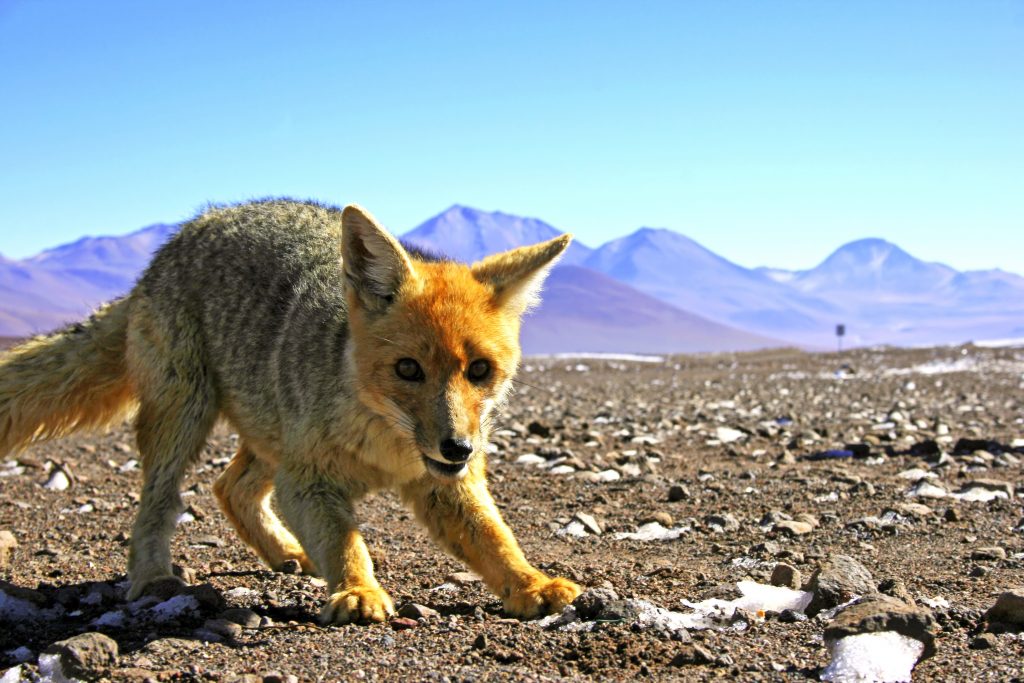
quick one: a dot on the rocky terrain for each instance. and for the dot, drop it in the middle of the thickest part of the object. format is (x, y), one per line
(893, 475)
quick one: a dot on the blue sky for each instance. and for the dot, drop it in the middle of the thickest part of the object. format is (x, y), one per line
(771, 132)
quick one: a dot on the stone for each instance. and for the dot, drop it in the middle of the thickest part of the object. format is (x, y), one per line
(1008, 609)
(878, 613)
(245, 618)
(692, 653)
(7, 545)
(592, 601)
(589, 523)
(895, 588)
(85, 656)
(792, 527)
(539, 429)
(836, 581)
(677, 492)
(224, 628)
(988, 554)
(662, 518)
(984, 641)
(403, 623)
(786, 575)
(951, 515)
(463, 578)
(722, 522)
(412, 610)
(291, 566)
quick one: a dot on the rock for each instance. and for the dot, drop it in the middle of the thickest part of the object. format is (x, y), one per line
(224, 628)
(1009, 608)
(210, 541)
(692, 653)
(480, 642)
(988, 554)
(589, 523)
(895, 588)
(85, 656)
(994, 485)
(882, 613)
(721, 523)
(403, 623)
(915, 510)
(951, 515)
(245, 618)
(792, 527)
(539, 429)
(729, 435)
(984, 641)
(662, 518)
(291, 567)
(677, 492)
(412, 610)
(463, 578)
(7, 545)
(836, 581)
(592, 601)
(786, 575)
(278, 677)
(791, 616)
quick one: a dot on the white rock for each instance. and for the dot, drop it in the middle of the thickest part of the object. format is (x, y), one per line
(562, 469)
(924, 489)
(886, 657)
(58, 481)
(917, 474)
(728, 434)
(608, 475)
(530, 459)
(652, 531)
(574, 529)
(113, 619)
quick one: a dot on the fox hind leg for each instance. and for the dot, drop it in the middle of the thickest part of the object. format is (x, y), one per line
(244, 491)
(177, 410)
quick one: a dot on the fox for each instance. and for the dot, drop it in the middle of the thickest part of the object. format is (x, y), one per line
(345, 361)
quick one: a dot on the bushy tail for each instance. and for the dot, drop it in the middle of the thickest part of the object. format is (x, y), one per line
(76, 378)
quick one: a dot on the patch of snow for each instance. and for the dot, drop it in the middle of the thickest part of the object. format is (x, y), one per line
(12, 675)
(51, 670)
(113, 619)
(754, 597)
(129, 466)
(573, 529)
(185, 517)
(938, 602)
(886, 656)
(177, 606)
(1000, 343)
(630, 357)
(58, 481)
(728, 434)
(11, 468)
(240, 593)
(652, 531)
(15, 609)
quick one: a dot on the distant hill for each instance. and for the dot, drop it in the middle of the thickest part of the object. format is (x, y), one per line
(652, 290)
(583, 310)
(466, 234)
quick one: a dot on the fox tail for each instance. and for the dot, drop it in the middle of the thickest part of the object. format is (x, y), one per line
(76, 378)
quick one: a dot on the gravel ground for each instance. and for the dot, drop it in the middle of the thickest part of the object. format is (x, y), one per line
(761, 459)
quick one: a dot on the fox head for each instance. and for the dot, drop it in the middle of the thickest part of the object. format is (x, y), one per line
(434, 344)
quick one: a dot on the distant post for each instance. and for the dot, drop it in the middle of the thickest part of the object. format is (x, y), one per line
(840, 333)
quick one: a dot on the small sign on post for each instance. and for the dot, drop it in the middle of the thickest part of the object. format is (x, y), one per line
(840, 333)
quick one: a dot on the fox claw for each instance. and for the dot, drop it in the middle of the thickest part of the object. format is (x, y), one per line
(357, 604)
(545, 595)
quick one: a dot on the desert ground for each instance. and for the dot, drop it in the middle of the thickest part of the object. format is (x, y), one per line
(905, 464)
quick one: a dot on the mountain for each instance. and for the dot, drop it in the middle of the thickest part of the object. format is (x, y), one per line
(678, 270)
(583, 310)
(466, 234)
(63, 284)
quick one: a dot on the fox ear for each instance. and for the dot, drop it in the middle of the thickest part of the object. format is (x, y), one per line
(517, 275)
(375, 263)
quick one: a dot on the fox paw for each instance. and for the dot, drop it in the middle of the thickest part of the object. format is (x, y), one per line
(357, 604)
(544, 596)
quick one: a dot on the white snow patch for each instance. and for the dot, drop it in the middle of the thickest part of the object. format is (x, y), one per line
(562, 469)
(938, 602)
(886, 657)
(172, 608)
(185, 517)
(11, 468)
(51, 671)
(630, 357)
(652, 531)
(16, 609)
(574, 529)
(1000, 343)
(728, 434)
(754, 597)
(12, 675)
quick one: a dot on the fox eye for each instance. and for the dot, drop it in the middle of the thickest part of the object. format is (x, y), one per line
(479, 370)
(409, 370)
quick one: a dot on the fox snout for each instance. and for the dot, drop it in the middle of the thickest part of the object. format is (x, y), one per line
(456, 449)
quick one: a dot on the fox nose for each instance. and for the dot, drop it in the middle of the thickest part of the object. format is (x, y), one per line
(456, 450)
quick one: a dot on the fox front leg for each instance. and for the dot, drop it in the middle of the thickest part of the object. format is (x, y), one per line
(462, 516)
(319, 511)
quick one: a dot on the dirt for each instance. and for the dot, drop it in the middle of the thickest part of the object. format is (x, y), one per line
(954, 412)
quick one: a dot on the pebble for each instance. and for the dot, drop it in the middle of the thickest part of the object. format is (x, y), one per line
(403, 623)
(463, 578)
(1008, 609)
(990, 554)
(7, 545)
(721, 523)
(86, 655)
(291, 567)
(592, 601)
(792, 527)
(662, 518)
(224, 628)
(677, 492)
(246, 618)
(882, 613)
(692, 653)
(984, 641)
(786, 575)
(412, 610)
(589, 523)
(836, 581)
